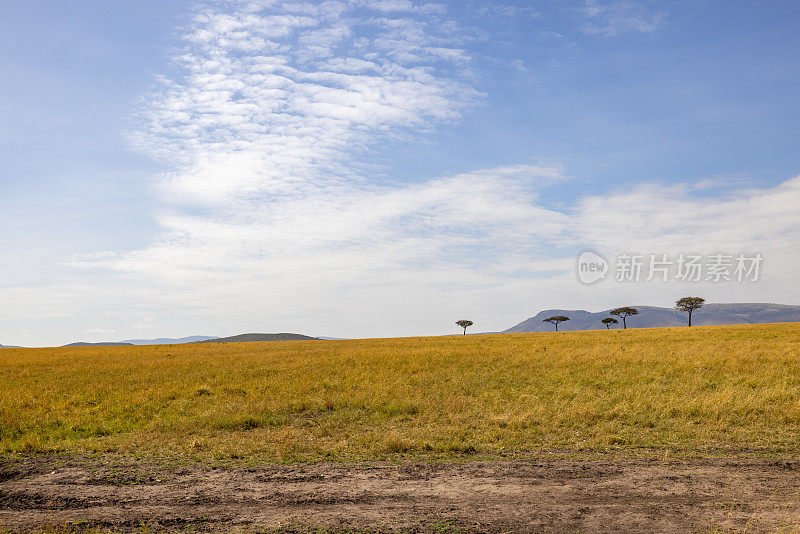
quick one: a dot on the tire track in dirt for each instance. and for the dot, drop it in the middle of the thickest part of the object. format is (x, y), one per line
(518, 496)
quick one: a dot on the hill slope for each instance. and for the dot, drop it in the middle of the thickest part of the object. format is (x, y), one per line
(241, 338)
(653, 316)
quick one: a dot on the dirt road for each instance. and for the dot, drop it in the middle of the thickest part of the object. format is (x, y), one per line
(511, 496)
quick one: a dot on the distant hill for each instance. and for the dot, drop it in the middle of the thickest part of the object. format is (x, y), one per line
(105, 344)
(652, 316)
(241, 338)
(9, 347)
(169, 340)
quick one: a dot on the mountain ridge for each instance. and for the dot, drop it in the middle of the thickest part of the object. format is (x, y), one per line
(656, 316)
(100, 344)
(248, 338)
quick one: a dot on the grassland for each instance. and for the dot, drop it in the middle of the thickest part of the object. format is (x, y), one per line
(699, 391)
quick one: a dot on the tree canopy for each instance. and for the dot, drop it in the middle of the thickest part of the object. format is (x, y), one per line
(690, 304)
(464, 323)
(608, 321)
(624, 312)
(554, 320)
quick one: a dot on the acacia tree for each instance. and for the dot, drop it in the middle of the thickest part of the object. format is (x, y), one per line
(608, 321)
(624, 312)
(690, 304)
(463, 323)
(555, 320)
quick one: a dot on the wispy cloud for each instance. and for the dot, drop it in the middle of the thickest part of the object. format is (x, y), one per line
(467, 221)
(503, 10)
(612, 18)
(279, 100)
(275, 107)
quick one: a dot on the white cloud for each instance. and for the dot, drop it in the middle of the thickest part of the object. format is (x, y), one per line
(673, 219)
(351, 224)
(278, 104)
(401, 6)
(268, 122)
(495, 8)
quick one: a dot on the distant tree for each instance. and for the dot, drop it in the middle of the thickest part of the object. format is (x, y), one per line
(624, 312)
(463, 323)
(608, 321)
(690, 304)
(555, 320)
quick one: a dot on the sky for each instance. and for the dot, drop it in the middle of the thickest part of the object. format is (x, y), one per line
(371, 168)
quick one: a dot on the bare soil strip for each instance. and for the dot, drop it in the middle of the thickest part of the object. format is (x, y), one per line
(613, 495)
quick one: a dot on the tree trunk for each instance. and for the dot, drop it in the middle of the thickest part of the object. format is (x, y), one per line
(690, 317)
(624, 323)
(556, 327)
(465, 330)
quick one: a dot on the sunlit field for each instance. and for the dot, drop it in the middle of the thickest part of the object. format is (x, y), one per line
(704, 390)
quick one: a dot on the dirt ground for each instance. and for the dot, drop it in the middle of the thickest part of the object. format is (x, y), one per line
(608, 495)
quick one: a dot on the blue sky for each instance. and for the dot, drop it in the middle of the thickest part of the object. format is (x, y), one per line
(379, 167)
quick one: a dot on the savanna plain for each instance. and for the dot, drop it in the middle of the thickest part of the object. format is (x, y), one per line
(649, 430)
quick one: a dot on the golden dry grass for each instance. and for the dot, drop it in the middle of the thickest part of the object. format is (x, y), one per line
(702, 390)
